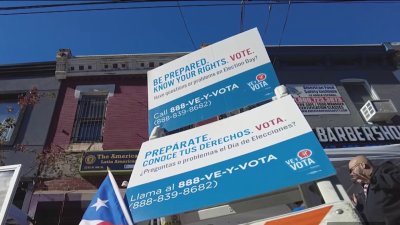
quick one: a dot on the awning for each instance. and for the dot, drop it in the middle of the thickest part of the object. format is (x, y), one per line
(381, 152)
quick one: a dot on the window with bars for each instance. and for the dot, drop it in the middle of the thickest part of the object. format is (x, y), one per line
(89, 119)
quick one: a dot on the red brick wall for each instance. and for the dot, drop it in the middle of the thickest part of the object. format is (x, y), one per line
(74, 183)
(126, 115)
(125, 124)
(63, 121)
(66, 184)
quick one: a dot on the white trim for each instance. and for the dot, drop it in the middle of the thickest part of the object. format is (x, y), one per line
(383, 152)
(94, 89)
(9, 193)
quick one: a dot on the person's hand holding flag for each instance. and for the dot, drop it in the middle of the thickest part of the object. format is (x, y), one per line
(107, 206)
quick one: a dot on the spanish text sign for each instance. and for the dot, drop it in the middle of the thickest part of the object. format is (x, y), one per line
(255, 152)
(220, 78)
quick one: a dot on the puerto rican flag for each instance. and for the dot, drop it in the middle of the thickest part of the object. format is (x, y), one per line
(107, 206)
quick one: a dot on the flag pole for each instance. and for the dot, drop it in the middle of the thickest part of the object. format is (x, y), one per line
(120, 200)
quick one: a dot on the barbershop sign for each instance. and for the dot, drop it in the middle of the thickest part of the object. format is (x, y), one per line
(117, 161)
(361, 136)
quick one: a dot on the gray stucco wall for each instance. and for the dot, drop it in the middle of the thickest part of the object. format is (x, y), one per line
(381, 79)
(33, 130)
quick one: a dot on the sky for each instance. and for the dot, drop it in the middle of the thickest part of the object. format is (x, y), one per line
(161, 27)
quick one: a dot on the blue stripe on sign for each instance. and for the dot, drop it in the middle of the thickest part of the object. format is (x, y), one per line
(234, 179)
(225, 96)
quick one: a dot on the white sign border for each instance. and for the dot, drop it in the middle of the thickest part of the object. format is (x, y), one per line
(11, 189)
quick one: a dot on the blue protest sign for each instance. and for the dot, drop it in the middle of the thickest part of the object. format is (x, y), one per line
(220, 78)
(201, 167)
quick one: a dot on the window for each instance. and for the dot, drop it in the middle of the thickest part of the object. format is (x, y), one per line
(105, 66)
(115, 66)
(151, 64)
(89, 119)
(89, 67)
(81, 67)
(9, 117)
(72, 68)
(359, 91)
(59, 208)
(62, 213)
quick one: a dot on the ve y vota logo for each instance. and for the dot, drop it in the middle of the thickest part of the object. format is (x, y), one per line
(302, 161)
(259, 82)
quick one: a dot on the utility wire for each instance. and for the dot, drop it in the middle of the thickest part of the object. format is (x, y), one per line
(55, 5)
(194, 5)
(122, 8)
(99, 2)
(242, 10)
(95, 2)
(283, 29)
(186, 27)
(284, 25)
(268, 19)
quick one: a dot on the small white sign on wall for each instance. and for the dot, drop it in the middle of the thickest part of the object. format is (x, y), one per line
(318, 99)
(9, 177)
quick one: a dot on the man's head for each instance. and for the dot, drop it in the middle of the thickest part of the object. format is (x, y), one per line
(360, 169)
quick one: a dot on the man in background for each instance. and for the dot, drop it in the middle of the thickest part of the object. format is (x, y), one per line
(379, 202)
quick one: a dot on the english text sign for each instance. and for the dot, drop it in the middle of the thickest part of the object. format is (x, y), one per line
(220, 78)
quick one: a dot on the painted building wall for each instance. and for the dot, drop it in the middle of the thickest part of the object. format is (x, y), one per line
(36, 119)
(332, 64)
(126, 116)
(381, 81)
(32, 126)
